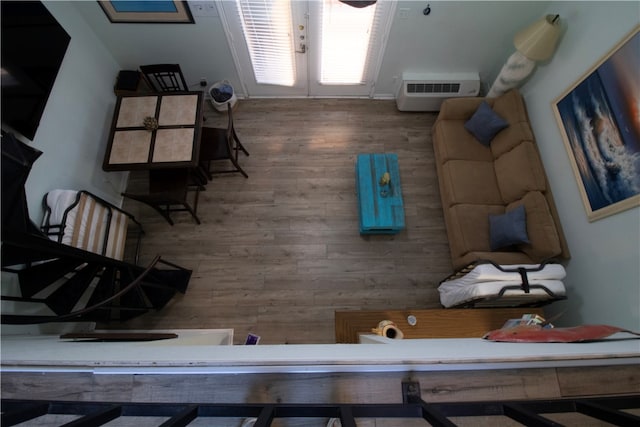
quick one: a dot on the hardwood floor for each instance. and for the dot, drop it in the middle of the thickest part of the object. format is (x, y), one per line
(277, 253)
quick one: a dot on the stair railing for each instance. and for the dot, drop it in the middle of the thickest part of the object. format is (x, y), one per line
(21, 251)
(13, 319)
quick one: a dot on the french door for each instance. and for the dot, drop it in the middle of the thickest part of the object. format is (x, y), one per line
(306, 48)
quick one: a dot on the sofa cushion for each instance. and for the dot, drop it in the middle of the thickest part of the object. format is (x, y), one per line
(468, 227)
(453, 142)
(468, 181)
(542, 232)
(508, 229)
(510, 106)
(519, 171)
(509, 138)
(460, 108)
(484, 124)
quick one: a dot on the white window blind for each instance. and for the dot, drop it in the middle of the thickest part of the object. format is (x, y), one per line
(267, 30)
(348, 34)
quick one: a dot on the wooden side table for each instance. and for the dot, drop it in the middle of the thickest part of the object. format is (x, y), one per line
(430, 323)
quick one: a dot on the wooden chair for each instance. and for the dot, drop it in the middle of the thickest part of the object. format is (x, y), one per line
(164, 77)
(221, 144)
(168, 191)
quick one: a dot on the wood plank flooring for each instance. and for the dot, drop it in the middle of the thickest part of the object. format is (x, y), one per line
(277, 253)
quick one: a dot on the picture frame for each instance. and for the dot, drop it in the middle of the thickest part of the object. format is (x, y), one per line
(598, 120)
(147, 12)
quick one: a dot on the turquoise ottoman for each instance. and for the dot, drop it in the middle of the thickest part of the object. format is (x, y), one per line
(380, 204)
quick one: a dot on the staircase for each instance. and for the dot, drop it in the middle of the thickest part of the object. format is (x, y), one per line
(59, 283)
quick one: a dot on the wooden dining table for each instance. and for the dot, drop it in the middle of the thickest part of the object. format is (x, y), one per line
(174, 143)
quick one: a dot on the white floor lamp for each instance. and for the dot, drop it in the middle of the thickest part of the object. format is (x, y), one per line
(535, 43)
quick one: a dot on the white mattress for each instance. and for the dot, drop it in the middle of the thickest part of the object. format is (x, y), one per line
(486, 281)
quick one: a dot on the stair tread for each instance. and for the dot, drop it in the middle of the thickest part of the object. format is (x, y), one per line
(65, 298)
(109, 277)
(13, 255)
(37, 277)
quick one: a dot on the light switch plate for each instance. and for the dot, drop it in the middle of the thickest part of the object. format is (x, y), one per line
(203, 8)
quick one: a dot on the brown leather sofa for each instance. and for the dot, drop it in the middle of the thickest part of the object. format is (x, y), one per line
(478, 180)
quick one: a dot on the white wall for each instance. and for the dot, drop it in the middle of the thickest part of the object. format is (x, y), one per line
(603, 276)
(201, 49)
(457, 36)
(74, 128)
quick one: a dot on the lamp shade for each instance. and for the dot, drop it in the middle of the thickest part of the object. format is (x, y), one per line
(538, 41)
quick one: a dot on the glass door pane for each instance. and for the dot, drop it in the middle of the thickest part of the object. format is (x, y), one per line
(264, 35)
(347, 44)
(307, 48)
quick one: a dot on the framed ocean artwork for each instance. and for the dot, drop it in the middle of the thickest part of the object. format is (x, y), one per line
(147, 11)
(599, 118)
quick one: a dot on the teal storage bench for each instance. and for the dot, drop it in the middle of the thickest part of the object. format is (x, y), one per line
(380, 204)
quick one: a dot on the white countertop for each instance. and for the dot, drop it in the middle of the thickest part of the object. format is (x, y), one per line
(49, 353)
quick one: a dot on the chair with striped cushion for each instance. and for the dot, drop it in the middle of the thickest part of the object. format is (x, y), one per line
(85, 221)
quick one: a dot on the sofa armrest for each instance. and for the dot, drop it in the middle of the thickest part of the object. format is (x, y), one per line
(460, 108)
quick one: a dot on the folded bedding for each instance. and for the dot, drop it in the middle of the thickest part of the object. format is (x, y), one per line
(487, 281)
(456, 294)
(58, 202)
(490, 272)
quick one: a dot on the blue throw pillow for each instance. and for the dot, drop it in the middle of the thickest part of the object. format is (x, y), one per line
(508, 229)
(485, 124)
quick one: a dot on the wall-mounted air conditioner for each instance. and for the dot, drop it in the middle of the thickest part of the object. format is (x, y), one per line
(426, 91)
